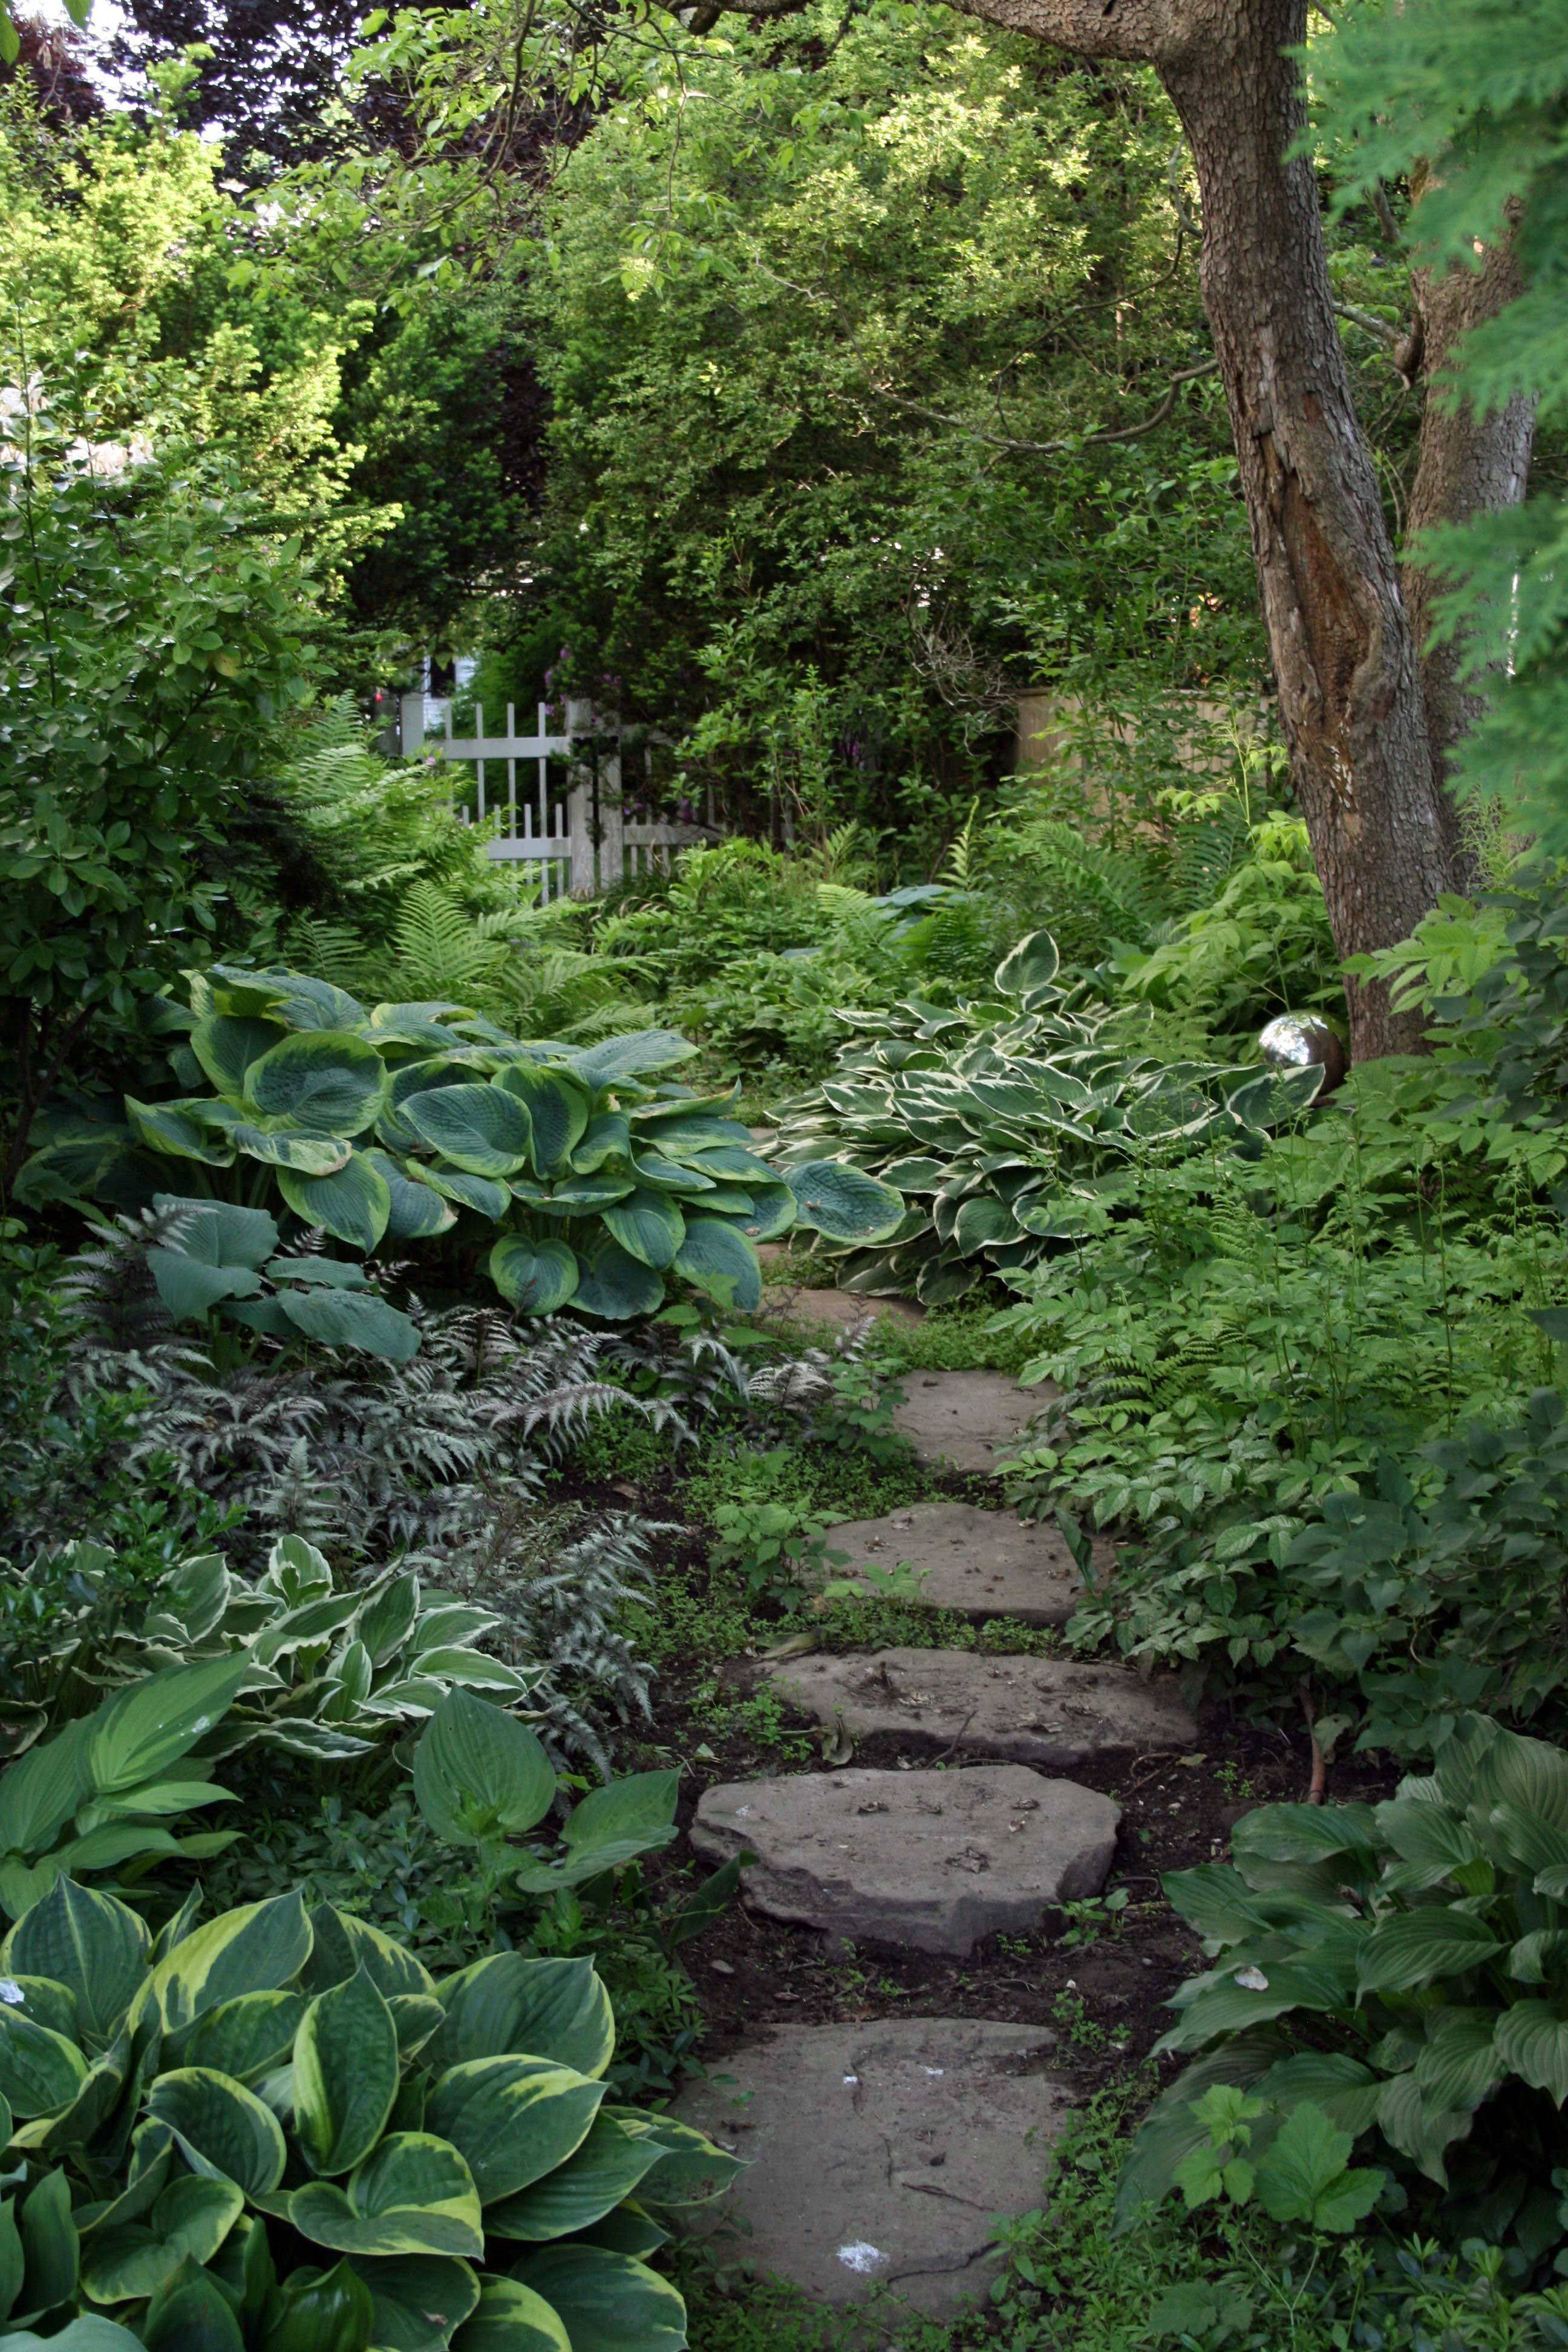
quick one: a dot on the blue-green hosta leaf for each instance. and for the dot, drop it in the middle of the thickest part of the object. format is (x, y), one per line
(306, 1155)
(220, 1235)
(772, 1212)
(581, 1196)
(649, 1227)
(721, 1261)
(608, 1135)
(95, 1946)
(511, 2318)
(691, 2171)
(345, 1943)
(223, 2130)
(419, 2299)
(513, 2119)
(245, 2038)
(480, 1129)
(323, 1080)
(302, 1002)
(342, 1318)
(637, 1055)
(354, 1205)
(483, 1194)
(1276, 1096)
(844, 1202)
(607, 2302)
(555, 2009)
(418, 1210)
(558, 1112)
(478, 1774)
(536, 1277)
(413, 2196)
(175, 1129)
(612, 1284)
(464, 1067)
(345, 2073)
(190, 1289)
(227, 1044)
(917, 1175)
(591, 2181)
(188, 2221)
(674, 1176)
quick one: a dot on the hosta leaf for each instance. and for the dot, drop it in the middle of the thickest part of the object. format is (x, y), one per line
(579, 1196)
(558, 1111)
(418, 1210)
(1409, 2122)
(555, 2009)
(354, 1204)
(135, 1737)
(478, 1774)
(483, 1194)
(691, 2171)
(341, 1318)
(1460, 2062)
(257, 1948)
(1531, 2040)
(344, 1944)
(608, 2166)
(772, 1213)
(177, 1130)
(982, 1221)
(843, 1202)
(40, 2071)
(511, 2318)
(189, 2222)
(324, 1080)
(608, 1135)
(189, 1289)
(302, 1002)
(244, 2038)
(634, 1056)
(345, 2073)
(223, 2130)
(607, 2302)
(649, 1227)
(480, 1129)
(512, 2119)
(612, 1284)
(418, 2298)
(536, 1277)
(413, 2196)
(1033, 963)
(219, 1234)
(1418, 1947)
(95, 1946)
(722, 1262)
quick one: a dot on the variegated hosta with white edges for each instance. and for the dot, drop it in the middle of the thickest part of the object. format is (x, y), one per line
(604, 1177)
(277, 2129)
(1009, 1128)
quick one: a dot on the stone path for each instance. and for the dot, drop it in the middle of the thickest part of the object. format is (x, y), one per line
(966, 1418)
(834, 1310)
(880, 2151)
(1041, 1711)
(982, 1563)
(931, 1858)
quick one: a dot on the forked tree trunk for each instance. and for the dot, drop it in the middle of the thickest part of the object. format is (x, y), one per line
(1467, 465)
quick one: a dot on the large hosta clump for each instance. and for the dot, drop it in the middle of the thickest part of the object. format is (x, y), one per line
(387, 1125)
(278, 2130)
(1010, 1127)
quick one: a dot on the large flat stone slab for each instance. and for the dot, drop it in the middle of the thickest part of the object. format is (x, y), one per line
(834, 1310)
(1042, 1711)
(879, 2152)
(982, 1563)
(930, 1859)
(966, 1418)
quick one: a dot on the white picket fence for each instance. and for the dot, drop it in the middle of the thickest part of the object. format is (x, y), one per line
(568, 818)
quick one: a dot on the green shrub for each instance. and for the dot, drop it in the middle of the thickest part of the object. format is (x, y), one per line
(1418, 1948)
(600, 1182)
(280, 2130)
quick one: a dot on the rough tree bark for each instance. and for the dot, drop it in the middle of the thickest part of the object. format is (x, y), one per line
(1345, 655)
(1467, 465)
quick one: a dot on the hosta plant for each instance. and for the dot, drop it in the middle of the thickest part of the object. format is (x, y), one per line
(386, 1125)
(101, 1795)
(325, 1672)
(1011, 1128)
(1402, 1967)
(278, 2130)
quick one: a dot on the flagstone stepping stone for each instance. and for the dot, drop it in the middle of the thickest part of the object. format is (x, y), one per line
(982, 1563)
(834, 1310)
(967, 1419)
(1043, 1711)
(930, 1860)
(879, 2152)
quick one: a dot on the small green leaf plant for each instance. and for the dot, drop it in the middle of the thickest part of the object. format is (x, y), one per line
(101, 1794)
(329, 1673)
(1299, 2173)
(600, 1178)
(278, 2130)
(1402, 1971)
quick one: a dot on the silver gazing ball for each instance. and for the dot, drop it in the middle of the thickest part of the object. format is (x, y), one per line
(1295, 1041)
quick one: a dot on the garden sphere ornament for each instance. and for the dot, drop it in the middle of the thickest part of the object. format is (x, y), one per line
(1296, 1041)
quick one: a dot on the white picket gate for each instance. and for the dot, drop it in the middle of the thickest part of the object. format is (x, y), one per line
(572, 825)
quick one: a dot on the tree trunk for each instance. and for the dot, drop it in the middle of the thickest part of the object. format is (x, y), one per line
(1467, 464)
(1350, 689)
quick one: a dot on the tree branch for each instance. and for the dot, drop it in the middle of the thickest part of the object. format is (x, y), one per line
(1392, 336)
(1138, 32)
